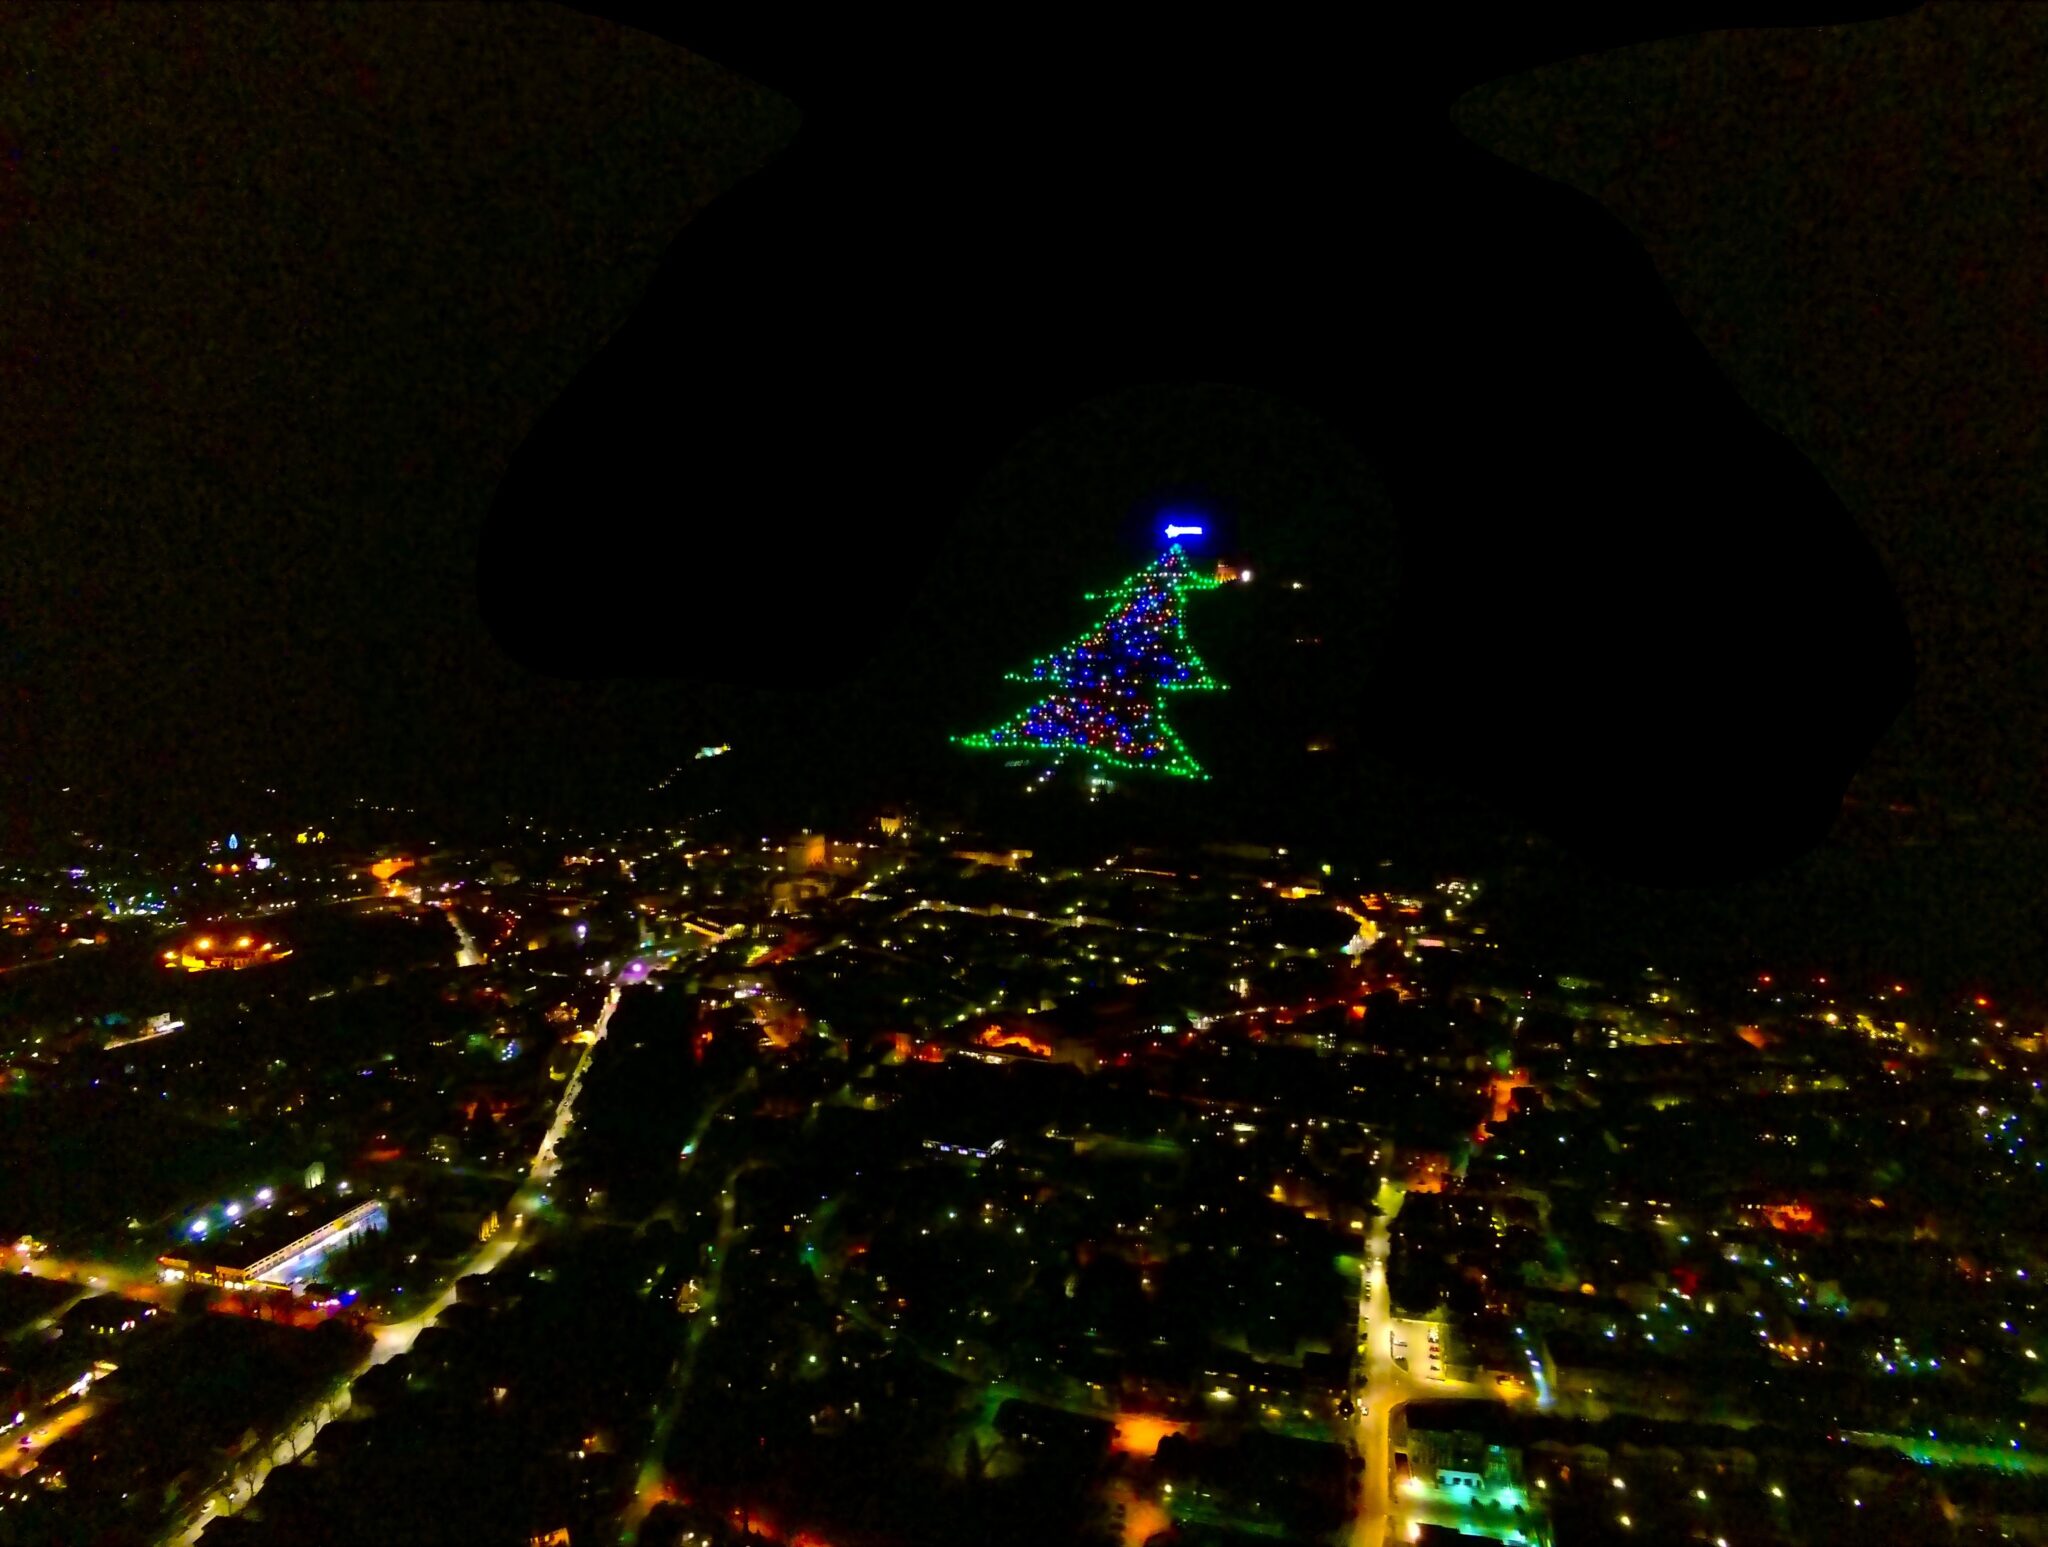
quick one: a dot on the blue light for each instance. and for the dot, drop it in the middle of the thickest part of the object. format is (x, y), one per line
(234, 842)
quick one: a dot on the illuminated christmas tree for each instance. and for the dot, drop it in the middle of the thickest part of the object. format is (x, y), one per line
(1104, 702)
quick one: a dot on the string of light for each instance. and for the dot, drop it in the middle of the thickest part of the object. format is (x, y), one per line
(1104, 704)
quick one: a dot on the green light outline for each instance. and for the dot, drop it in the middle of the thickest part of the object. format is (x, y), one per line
(1171, 569)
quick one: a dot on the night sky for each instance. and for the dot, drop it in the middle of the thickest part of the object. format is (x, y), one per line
(429, 402)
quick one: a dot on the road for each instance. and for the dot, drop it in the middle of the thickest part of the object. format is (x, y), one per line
(1379, 1388)
(91, 1277)
(395, 1337)
(19, 1454)
(653, 1484)
(1377, 1392)
(545, 1160)
(466, 953)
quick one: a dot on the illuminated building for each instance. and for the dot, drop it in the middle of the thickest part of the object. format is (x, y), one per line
(966, 1139)
(814, 851)
(792, 894)
(997, 1037)
(1007, 859)
(210, 953)
(274, 1257)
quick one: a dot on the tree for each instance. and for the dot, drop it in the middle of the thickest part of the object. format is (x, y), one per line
(1104, 702)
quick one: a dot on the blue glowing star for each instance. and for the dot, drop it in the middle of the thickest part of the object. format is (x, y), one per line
(1183, 531)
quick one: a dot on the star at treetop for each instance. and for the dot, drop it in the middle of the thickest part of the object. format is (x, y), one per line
(1104, 700)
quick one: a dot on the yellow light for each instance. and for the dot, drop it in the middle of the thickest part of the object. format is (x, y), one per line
(244, 943)
(205, 945)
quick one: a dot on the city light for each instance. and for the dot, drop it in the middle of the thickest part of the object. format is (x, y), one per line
(1220, 1145)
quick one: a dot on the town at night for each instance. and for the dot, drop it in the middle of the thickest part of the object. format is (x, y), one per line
(784, 786)
(899, 1182)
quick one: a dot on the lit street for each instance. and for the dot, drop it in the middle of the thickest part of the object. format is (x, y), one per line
(1384, 1388)
(1377, 1392)
(545, 1162)
(140, 1281)
(18, 1452)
